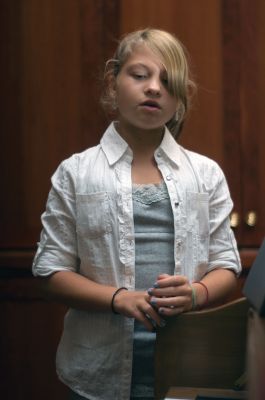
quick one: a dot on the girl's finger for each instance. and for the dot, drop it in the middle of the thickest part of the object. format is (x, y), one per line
(170, 312)
(170, 280)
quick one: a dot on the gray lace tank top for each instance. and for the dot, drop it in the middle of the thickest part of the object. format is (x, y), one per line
(154, 254)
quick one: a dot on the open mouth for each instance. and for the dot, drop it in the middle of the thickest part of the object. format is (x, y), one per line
(151, 105)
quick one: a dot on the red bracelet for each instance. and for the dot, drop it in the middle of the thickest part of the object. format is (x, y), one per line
(207, 293)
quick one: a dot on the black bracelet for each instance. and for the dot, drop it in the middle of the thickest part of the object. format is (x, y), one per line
(113, 298)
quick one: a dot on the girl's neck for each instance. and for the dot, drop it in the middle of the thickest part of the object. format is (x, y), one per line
(143, 144)
(145, 171)
(141, 141)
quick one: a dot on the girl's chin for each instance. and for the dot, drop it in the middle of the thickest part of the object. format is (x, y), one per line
(145, 126)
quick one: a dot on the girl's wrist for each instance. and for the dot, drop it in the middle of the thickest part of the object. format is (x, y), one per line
(112, 304)
(200, 295)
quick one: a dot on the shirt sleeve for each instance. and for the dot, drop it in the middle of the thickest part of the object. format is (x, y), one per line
(223, 252)
(57, 249)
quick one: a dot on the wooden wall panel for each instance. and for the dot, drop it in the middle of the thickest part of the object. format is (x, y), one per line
(54, 54)
(231, 107)
(253, 119)
(243, 116)
(28, 343)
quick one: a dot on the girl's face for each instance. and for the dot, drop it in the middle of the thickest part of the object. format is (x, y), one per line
(143, 99)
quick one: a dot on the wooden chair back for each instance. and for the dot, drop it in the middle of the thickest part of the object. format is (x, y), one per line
(205, 348)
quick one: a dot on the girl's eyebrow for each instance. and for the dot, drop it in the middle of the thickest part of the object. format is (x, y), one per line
(142, 65)
(135, 65)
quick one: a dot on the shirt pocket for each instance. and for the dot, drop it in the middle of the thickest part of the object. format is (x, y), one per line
(93, 214)
(198, 213)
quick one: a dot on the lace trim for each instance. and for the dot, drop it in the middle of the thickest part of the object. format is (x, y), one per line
(150, 193)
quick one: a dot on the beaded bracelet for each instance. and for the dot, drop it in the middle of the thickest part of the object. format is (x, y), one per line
(113, 298)
(207, 292)
(193, 298)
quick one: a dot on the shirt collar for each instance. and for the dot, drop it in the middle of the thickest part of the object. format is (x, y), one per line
(170, 147)
(114, 146)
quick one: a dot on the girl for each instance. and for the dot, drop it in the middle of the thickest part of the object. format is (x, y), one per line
(136, 229)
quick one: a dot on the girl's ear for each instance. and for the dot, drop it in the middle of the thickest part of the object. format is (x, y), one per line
(112, 85)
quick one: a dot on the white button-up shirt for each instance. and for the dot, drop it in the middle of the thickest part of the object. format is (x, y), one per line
(88, 228)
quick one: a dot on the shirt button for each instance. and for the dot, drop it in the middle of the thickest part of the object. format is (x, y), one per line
(168, 177)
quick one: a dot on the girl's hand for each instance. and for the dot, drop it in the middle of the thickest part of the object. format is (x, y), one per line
(171, 295)
(137, 305)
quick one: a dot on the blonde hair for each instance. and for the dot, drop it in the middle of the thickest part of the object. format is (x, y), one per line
(174, 58)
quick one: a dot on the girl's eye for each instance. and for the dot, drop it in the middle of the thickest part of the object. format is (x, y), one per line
(139, 76)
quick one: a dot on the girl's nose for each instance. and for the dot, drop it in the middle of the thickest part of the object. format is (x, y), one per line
(153, 88)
